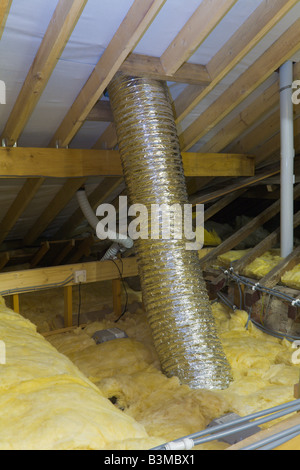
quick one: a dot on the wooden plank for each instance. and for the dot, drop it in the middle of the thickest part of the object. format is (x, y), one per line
(251, 32)
(132, 28)
(20, 203)
(56, 37)
(4, 12)
(280, 51)
(117, 298)
(203, 21)
(273, 277)
(68, 306)
(245, 231)
(147, 66)
(77, 163)
(59, 201)
(27, 280)
(240, 183)
(40, 254)
(101, 112)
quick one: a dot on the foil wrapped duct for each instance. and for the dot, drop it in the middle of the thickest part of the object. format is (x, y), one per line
(174, 291)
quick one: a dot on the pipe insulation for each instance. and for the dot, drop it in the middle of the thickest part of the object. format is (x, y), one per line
(174, 291)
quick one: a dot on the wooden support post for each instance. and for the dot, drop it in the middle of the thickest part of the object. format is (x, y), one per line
(16, 303)
(117, 299)
(4, 259)
(68, 310)
(64, 253)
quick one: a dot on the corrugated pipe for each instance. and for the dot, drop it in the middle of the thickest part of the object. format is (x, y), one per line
(94, 221)
(174, 291)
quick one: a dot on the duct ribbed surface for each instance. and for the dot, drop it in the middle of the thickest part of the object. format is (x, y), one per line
(174, 291)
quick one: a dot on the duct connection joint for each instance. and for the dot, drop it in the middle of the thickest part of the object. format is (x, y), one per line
(183, 444)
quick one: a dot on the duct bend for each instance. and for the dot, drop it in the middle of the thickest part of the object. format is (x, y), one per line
(174, 291)
(94, 221)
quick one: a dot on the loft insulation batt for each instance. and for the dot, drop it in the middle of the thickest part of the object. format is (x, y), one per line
(47, 403)
(128, 370)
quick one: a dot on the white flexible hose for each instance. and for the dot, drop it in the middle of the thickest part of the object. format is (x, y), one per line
(94, 221)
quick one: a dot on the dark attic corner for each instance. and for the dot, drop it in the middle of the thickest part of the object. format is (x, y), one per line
(149, 227)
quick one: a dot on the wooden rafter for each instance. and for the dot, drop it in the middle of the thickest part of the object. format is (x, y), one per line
(59, 30)
(203, 21)
(282, 49)
(136, 22)
(74, 163)
(262, 20)
(143, 65)
(4, 11)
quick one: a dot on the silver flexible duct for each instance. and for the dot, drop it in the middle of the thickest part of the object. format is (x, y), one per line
(174, 291)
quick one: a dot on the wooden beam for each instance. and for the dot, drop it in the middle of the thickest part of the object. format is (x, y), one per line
(27, 280)
(147, 66)
(16, 303)
(4, 11)
(245, 119)
(280, 51)
(251, 32)
(4, 259)
(68, 306)
(101, 112)
(203, 21)
(63, 21)
(20, 203)
(203, 198)
(73, 163)
(223, 202)
(40, 254)
(246, 230)
(136, 22)
(59, 201)
(273, 277)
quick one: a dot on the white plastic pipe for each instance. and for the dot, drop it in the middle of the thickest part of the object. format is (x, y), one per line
(94, 221)
(287, 159)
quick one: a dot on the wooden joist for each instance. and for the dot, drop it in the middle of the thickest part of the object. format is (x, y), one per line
(78, 163)
(273, 277)
(4, 10)
(28, 280)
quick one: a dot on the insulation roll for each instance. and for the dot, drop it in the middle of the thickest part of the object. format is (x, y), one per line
(174, 291)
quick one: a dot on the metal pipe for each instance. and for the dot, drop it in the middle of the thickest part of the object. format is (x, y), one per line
(287, 159)
(174, 291)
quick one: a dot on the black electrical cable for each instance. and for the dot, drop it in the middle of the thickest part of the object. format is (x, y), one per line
(124, 286)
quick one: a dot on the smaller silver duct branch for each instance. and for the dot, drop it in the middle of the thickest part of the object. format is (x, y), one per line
(174, 291)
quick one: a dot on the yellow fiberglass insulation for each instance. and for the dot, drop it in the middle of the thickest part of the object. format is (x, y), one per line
(47, 403)
(292, 278)
(261, 266)
(127, 371)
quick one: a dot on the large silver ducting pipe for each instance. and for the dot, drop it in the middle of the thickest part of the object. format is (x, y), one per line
(174, 291)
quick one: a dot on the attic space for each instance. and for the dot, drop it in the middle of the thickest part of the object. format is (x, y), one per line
(149, 226)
